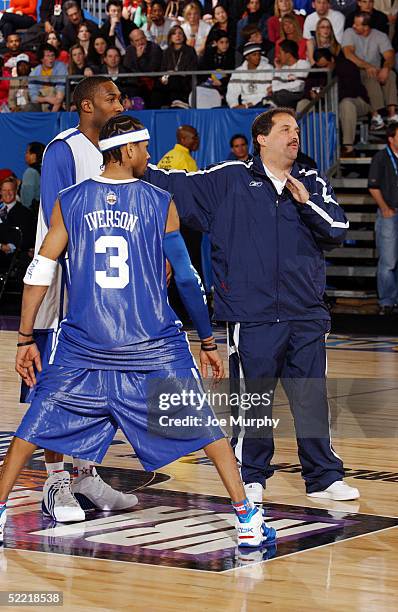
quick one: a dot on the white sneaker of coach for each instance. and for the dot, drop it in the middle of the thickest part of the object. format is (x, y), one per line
(58, 500)
(254, 492)
(93, 492)
(338, 491)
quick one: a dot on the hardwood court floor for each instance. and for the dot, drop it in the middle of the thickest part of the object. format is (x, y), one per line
(336, 571)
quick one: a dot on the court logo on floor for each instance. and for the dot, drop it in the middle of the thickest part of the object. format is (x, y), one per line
(176, 529)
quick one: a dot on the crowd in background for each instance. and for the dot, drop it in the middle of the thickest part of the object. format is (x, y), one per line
(286, 38)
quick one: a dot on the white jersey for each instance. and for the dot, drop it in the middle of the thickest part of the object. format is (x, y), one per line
(63, 166)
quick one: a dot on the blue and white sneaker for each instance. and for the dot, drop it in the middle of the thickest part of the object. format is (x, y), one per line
(58, 500)
(254, 532)
(3, 518)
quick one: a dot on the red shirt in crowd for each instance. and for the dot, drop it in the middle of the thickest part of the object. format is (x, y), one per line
(27, 7)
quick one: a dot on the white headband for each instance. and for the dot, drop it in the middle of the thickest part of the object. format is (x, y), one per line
(122, 139)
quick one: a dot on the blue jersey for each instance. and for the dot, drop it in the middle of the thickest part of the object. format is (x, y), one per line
(118, 314)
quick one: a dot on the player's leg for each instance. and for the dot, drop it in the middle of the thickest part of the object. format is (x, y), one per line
(19, 452)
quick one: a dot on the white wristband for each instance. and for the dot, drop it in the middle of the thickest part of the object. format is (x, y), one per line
(41, 271)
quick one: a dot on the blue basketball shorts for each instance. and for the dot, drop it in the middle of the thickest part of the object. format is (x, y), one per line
(77, 412)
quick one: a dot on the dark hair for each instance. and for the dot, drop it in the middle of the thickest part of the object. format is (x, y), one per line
(172, 31)
(118, 3)
(218, 5)
(323, 54)
(93, 57)
(160, 3)
(37, 148)
(290, 46)
(44, 48)
(14, 34)
(235, 136)
(264, 123)
(86, 90)
(115, 127)
(71, 4)
(249, 30)
(391, 129)
(72, 66)
(113, 48)
(366, 18)
(219, 34)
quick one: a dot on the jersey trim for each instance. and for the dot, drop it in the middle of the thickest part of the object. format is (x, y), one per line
(102, 179)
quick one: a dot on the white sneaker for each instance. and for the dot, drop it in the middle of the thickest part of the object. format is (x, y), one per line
(93, 492)
(254, 532)
(338, 491)
(254, 492)
(58, 500)
(377, 122)
(3, 518)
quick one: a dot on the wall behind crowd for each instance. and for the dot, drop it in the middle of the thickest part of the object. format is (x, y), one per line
(214, 126)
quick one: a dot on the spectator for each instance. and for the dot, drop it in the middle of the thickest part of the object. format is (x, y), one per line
(13, 215)
(178, 56)
(324, 39)
(365, 48)
(74, 20)
(112, 64)
(222, 23)
(20, 14)
(378, 20)
(195, 29)
(53, 15)
(252, 34)
(157, 27)
(83, 38)
(4, 87)
(287, 86)
(274, 23)
(78, 64)
(390, 9)
(18, 96)
(142, 55)
(30, 186)
(49, 93)
(382, 184)
(246, 90)
(239, 148)
(253, 15)
(218, 58)
(179, 158)
(96, 52)
(116, 29)
(14, 48)
(322, 9)
(290, 30)
(54, 39)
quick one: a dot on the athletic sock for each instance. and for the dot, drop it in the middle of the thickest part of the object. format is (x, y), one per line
(243, 509)
(81, 469)
(54, 468)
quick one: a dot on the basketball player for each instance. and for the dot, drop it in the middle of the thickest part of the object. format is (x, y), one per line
(119, 342)
(70, 158)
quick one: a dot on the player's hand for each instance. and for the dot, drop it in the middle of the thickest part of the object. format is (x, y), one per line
(212, 359)
(297, 189)
(27, 357)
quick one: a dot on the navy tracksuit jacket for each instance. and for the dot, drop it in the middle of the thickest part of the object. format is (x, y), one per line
(269, 273)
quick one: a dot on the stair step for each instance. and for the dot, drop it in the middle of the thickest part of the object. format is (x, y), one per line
(360, 235)
(351, 293)
(359, 217)
(348, 252)
(355, 198)
(367, 271)
(369, 146)
(353, 183)
(355, 161)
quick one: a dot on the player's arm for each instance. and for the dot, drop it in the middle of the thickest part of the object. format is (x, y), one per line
(38, 278)
(192, 293)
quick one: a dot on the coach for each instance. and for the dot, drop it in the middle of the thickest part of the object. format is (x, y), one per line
(269, 221)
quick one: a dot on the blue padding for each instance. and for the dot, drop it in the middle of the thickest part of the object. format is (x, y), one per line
(215, 126)
(188, 283)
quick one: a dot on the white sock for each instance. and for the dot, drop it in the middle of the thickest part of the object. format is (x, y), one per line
(81, 469)
(53, 468)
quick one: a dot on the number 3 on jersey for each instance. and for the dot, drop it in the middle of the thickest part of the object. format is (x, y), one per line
(116, 262)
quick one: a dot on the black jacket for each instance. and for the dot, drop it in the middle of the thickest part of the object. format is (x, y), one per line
(149, 61)
(127, 27)
(22, 217)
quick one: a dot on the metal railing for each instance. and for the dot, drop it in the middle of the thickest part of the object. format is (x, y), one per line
(315, 130)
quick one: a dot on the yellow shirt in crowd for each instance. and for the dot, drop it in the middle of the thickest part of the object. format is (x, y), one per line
(178, 158)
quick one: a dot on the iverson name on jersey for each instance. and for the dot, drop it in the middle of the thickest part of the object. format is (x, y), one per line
(110, 218)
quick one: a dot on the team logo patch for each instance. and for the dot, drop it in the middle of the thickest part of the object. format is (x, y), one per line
(111, 198)
(171, 528)
(255, 184)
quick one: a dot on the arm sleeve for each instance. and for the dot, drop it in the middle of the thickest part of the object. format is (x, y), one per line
(323, 215)
(188, 283)
(233, 91)
(376, 172)
(58, 172)
(197, 194)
